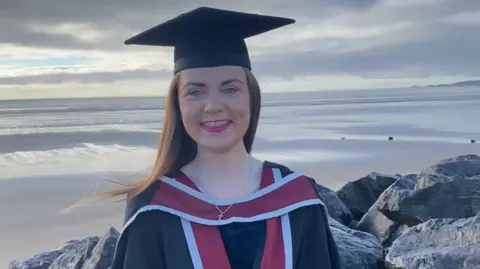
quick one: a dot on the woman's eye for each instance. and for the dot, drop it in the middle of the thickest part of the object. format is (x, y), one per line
(230, 90)
(193, 92)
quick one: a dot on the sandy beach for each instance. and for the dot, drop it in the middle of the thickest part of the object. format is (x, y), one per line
(31, 221)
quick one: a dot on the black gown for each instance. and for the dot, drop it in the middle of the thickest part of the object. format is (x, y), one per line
(282, 226)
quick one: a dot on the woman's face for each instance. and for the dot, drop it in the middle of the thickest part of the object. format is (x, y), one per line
(215, 106)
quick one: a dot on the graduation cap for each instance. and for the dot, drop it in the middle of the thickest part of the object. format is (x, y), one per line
(208, 37)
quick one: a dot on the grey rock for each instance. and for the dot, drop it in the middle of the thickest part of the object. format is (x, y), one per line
(102, 254)
(438, 244)
(375, 222)
(91, 252)
(357, 249)
(379, 225)
(451, 199)
(45, 259)
(460, 167)
(411, 176)
(353, 224)
(400, 229)
(74, 258)
(335, 207)
(361, 194)
(450, 189)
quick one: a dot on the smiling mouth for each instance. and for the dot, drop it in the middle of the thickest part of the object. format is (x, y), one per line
(215, 126)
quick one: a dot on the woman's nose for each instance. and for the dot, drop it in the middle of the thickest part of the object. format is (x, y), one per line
(213, 104)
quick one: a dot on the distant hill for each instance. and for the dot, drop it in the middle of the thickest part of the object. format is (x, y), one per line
(456, 84)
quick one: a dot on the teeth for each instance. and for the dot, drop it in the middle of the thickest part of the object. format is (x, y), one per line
(215, 123)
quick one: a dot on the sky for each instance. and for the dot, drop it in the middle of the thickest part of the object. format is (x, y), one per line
(59, 48)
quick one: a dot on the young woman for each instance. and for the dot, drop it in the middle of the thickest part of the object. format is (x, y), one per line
(207, 203)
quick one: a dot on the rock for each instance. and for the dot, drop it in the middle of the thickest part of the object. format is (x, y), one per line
(379, 225)
(375, 222)
(460, 167)
(335, 207)
(75, 257)
(361, 194)
(89, 253)
(45, 259)
(357, 249)
(438, 244)
(102, 254)
(400, 229)
(353, 224)
(411, 176)
(453, 199)
(449, 189)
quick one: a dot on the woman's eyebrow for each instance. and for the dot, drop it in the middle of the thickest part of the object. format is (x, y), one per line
(228, 81)
(201, 84)
(197, 84)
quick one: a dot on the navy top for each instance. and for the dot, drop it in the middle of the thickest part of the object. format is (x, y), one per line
(242, 242)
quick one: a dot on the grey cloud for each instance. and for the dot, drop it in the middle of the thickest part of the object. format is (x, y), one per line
(430, 47)
(97, 77)
(451, 51)
(125, 17)
(22, 35)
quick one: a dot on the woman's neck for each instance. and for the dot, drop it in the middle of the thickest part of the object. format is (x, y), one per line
(225, 175)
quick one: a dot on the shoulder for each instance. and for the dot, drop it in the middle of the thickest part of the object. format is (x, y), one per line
(330, 204)
(285, 171)
(308, 183)
(145, 222)
(136, 204)
(321, 192)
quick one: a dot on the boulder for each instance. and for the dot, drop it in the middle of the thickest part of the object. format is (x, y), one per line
(399, 229)
(357, 249)
(457, 199)
(45, 259)
(75, 257)
(335, 207)
(89, 253)
(460, 167)
(361, 194)
(438, 244)
(375, 222)
(102, 254)
(449, 189)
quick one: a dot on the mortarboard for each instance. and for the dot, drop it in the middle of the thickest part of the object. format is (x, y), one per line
(207, 37)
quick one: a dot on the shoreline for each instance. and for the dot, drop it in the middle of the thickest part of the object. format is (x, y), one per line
(134, 161)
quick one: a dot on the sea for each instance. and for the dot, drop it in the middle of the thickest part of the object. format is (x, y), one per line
(89, 135)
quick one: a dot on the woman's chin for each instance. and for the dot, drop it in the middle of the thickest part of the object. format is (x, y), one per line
(220, 144)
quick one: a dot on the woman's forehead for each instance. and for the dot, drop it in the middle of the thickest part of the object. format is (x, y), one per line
(212, 75)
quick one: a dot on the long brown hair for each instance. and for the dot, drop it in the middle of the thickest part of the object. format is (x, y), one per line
(176, 148)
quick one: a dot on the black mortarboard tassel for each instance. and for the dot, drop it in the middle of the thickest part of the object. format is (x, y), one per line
(208, 37)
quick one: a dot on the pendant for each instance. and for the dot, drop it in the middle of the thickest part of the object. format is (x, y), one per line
(222, 213)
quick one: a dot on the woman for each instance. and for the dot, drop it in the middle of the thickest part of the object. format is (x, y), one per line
(207, 203)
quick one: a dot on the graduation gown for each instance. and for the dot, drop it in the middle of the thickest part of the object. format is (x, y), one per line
(172, 225)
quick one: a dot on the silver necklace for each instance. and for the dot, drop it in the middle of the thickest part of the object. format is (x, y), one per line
(222, 212)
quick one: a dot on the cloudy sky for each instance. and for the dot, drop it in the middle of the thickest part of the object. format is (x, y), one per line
(65, 48)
